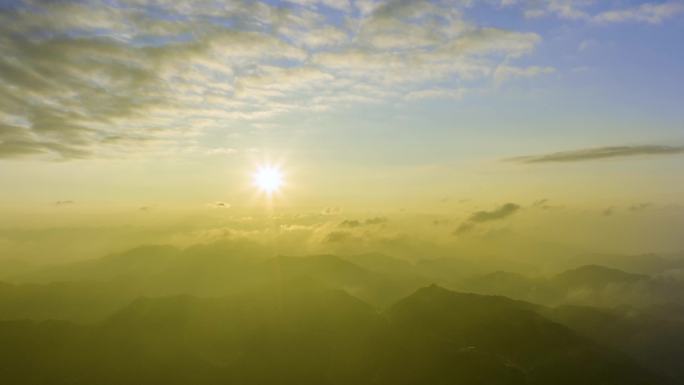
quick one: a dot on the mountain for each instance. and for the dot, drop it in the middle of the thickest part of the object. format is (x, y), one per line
(495, 340)
(513, 285)
(80, 301)
(594, 285)
(651, 264)
(590, 285)
(11, 267)
(378, 288)
(140, 261)
(382, 263)
(299, 332)
(655, 340)
(215, 309)
(595, 276)
(89, 291)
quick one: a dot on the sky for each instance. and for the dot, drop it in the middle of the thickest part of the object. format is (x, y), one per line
(109, 108)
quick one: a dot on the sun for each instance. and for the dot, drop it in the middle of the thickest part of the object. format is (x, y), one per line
(268, 179)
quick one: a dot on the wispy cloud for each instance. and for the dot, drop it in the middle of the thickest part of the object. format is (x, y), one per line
(600, 12)
(338, 237)
(652, 13)
(599, 153)
(502, 212)
(506, 72)
(220, 205)
(89, 79)
(351, 223)
(331, 211)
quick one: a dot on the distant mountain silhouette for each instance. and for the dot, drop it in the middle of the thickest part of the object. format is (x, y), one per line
(220, 313)
(495, 340)
(144, 260)
(302, 333)
(91, 290)
(591, 285)
(654, 339)
(82, 301)
(596, 276)
(382, 263)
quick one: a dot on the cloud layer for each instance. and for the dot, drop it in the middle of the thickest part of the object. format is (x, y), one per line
(599, 153)
(89, 79)
(83, 79)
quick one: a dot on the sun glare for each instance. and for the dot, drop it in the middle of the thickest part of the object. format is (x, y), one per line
(268, 179)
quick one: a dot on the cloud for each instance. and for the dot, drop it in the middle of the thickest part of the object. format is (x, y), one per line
(437, 93)
(343, 5)
(376, 221)
(543, 204)
(599, 12)
(221, 151)
(502, 212)
(540, 202)
(368, 222)
(599, 153)
(338, 237)
(639, 207)
(90, 79)
(350, 223)
(75, 75)
(64, 203)
(111, 79)
(505, 72)
(645, 13)
(464, 228)
(564, 9)
(588, 45)
(331, 211)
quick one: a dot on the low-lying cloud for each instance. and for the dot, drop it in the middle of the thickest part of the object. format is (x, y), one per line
(483, 216)
(502, 212)
(351, 223)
